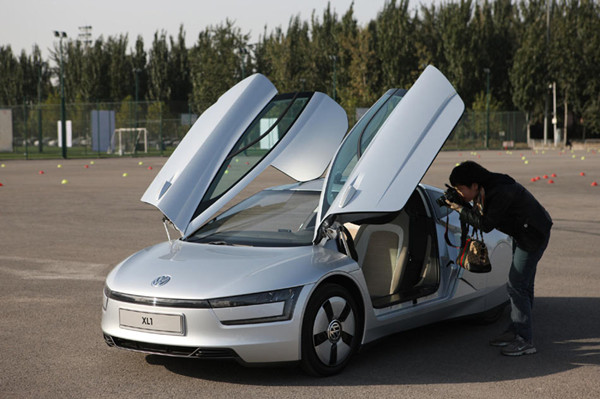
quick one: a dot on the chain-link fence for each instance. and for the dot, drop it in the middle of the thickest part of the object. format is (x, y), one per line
(96, 130)
(154, 129)
(493, 130)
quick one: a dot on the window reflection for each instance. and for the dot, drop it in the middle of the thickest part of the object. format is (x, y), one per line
(257, 141)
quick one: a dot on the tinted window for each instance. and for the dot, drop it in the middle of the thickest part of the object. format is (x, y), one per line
(357, 142)
(255, 143)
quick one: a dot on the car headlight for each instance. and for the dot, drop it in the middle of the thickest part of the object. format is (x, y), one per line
(105, 294)
(263, 307)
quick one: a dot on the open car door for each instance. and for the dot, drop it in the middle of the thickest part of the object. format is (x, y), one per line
(380, 173)
(249, 128)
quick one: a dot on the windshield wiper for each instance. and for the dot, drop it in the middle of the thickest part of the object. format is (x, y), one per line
(220, 242)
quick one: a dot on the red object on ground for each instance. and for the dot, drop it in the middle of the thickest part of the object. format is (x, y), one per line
(594, 184)
(582, 174)
(545, 176)
(149, 167)
(1, 184)
(550, 181)
(553, 175)
(533, 179)
(41, 172)
(86, 166)
(537, 178)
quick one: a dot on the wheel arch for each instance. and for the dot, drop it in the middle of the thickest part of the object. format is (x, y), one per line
(352, 286)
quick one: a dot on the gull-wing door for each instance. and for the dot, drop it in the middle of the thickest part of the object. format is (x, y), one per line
(249, 128)
(377, 169)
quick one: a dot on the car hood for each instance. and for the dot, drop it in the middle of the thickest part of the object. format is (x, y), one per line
(204, 271)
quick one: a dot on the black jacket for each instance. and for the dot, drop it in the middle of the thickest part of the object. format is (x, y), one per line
(510, 208)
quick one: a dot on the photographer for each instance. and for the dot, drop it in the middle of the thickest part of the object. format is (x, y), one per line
(503, 204)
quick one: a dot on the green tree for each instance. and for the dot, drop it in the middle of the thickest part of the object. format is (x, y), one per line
(119, 70)
(494, 47)
(179, 70)
(458, 48)
(324, 52)
(529, 72)
(395, 45)
(288, 57)
(158, 69)
(215, 63)
(11, 77)
(139, 68)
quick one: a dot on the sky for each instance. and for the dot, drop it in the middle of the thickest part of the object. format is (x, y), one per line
(24, 23)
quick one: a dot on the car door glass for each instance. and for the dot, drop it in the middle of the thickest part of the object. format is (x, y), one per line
(357, 142)
(257, 141)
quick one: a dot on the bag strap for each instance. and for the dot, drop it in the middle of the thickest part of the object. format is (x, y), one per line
(446, 237)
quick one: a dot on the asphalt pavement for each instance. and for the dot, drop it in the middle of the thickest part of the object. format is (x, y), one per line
(63, 228)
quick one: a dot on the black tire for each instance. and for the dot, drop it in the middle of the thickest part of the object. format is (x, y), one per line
(331, 330)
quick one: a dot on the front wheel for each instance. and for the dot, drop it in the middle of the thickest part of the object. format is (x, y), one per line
(331, 330)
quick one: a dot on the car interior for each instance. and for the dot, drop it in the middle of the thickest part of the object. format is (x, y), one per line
(398, 253)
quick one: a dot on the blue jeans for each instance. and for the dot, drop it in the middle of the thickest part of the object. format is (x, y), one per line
(520, 289)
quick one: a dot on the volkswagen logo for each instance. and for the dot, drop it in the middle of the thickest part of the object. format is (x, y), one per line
(160, 281)
(334, 331)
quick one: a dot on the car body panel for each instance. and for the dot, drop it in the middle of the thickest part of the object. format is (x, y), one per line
(381, 181)
(403, 149)
(303, 152)
(205, 271)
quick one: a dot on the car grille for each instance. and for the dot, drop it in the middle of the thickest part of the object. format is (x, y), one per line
(171, 350)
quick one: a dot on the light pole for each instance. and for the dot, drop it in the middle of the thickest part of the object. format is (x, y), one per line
(63, 123)
(554, 119)
(136, 72)
(334, 59)
(487, 106)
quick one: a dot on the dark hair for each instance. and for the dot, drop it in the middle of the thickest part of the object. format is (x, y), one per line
(469, 172)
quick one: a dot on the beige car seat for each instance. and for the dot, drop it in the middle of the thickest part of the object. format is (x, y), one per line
(383, 253)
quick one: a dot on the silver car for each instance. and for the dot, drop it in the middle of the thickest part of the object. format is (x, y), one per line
(310, 271)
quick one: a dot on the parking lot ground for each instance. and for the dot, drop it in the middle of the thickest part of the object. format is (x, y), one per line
(59, 241)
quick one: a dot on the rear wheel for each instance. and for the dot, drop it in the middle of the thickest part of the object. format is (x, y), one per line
(331, 330)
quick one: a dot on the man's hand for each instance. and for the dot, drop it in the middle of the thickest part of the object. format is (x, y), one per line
(453, 206)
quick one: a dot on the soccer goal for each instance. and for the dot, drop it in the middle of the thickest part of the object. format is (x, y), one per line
(130, 140)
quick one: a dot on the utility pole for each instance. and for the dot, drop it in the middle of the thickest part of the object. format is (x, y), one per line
(63, 117)
(487, 107)
(554, 119)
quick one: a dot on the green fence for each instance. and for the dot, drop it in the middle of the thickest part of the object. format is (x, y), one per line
(35, 130)
(478, 130)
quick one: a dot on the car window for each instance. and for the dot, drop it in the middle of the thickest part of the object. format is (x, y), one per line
(440, 211)
(269, 218)
(357, 142)
(257, 141)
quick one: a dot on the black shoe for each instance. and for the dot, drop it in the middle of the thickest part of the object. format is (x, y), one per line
(519, 347)
(504, 339)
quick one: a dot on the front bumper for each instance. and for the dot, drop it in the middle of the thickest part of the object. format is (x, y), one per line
(206, 337)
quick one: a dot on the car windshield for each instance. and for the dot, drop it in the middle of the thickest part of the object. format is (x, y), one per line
(271, 218)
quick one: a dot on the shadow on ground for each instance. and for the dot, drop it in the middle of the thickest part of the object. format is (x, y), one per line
(567, 335)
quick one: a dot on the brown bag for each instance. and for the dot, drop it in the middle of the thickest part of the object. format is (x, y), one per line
(473, 256)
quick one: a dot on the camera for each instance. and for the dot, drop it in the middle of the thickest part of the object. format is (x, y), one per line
(452, 196)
